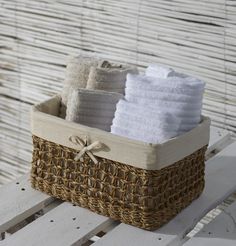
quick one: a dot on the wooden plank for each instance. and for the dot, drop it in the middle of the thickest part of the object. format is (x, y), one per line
(63, 226)
(128, 235)
(220, 183)
(218, 139)
(220, 231)
(214, 241)
(19, 201)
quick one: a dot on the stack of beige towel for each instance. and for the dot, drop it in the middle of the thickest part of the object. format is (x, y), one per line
(92, 108)
(91, 90)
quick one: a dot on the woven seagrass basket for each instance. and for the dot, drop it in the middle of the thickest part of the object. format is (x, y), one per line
(143, 197)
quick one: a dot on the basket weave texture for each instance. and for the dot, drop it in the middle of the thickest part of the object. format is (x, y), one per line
(143, 198)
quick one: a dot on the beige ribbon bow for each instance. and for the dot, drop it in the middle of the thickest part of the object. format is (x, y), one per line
(85, 148)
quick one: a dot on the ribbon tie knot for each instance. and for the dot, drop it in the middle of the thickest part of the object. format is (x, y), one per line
(85, 148)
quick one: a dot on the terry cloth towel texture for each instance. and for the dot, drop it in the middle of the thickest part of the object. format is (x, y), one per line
(92, 108)
(109, 78)
(148, 125)
(181, 96)
(77, 72)
(93, 73)
(150, 99)
(160, 71)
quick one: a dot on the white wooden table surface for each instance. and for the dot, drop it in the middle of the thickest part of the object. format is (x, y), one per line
(31, 218)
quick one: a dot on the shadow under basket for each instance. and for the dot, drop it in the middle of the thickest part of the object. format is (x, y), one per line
(143, 198)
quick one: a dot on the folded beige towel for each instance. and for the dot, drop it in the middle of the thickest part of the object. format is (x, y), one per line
(77, 72)
(93, 73)
(87, 107)
(109, 78)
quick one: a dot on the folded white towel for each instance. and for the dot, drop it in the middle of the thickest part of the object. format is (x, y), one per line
(139, 114)
(95, 115)
(180, 96)
(152, 120)
(165, 104)
(159, 71)
(160, 95)
(186, 86)
(159, 126)
(156, 127)
(159, 106)
(139, 109)
(157, 132)
(163, 120)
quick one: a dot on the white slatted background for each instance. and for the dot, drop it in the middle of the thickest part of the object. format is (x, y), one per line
(197, 37)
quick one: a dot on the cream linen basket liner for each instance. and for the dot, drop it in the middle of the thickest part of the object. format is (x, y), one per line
(141, 184)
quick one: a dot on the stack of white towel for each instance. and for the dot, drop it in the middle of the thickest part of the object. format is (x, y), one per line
(158, 105)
